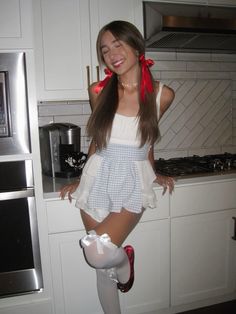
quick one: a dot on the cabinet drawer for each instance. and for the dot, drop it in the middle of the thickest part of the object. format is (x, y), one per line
(205, 197)
(163, 207)
(63, 216)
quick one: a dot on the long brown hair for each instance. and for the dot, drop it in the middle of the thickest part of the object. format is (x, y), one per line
(100, 122)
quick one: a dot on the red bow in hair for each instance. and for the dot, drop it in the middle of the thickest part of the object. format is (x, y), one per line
(146, 81)
(104, 82)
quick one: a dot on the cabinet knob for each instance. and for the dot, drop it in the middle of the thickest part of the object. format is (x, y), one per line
(234, 236)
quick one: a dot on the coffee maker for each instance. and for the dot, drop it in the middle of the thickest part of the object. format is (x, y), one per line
(60, 150)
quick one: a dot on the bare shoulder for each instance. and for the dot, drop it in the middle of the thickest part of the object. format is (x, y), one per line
(167, 97)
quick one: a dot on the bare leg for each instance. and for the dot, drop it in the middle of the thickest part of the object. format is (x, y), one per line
(117, 226)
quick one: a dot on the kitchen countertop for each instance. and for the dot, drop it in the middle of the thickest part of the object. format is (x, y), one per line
(52, 186)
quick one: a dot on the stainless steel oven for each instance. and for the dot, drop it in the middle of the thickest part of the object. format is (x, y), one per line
(20, 266)
(4, 112)
(14, 129)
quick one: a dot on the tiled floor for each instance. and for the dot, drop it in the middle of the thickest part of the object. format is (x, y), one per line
(223, 308)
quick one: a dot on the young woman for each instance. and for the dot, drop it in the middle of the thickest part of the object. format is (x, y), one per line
(117, 181)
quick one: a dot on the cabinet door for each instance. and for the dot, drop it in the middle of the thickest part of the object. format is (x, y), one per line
(74, 282)
(62, 48)
(16, 24)
(103, 12)
(150, 291)
(222, 2)
(203, 256)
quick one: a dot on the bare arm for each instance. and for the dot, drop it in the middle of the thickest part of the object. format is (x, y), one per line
(167, 182)
(167, 97)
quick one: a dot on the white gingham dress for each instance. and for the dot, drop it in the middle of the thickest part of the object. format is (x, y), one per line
(119, 176)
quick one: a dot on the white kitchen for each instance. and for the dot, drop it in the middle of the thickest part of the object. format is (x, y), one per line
(190, 262)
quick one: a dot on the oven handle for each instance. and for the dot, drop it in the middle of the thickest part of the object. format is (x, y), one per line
(10, 195)
(234, 236)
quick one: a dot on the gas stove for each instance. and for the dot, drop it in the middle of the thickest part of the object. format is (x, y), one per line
(197, 165)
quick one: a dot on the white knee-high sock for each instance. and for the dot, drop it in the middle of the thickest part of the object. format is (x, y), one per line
(112, 265)
(101, 253)
(107, 293)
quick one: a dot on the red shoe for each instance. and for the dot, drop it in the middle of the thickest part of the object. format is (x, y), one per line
(125, 287)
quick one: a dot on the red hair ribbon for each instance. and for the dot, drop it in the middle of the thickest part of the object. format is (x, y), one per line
(146, 81)
(104, 82)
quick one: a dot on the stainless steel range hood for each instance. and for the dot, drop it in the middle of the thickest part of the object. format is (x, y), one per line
(193, 28)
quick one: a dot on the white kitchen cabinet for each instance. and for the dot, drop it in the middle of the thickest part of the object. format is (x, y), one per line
(74, 282)
(182, 1)
(65, 44)
(105, 11)
(16, 24)
(150, 292)
(203, 257)
(184, 252)
(203, 253)
(230, 3)
(62, 48)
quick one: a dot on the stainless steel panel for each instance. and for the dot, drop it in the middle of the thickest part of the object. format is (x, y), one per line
(25, 280)
(18, 141)
(20, 264)
(16, 194)
(189, 27)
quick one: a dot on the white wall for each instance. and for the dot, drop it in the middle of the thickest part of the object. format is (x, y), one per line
(202, 119)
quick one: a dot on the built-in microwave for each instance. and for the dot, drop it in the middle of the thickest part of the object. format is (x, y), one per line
(14, 121)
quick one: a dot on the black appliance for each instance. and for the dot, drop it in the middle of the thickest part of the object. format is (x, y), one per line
(197, 165)
(20, 264)
(60, 150)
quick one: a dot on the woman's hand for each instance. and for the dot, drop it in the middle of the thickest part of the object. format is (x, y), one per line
(69, 189)
(166, 182)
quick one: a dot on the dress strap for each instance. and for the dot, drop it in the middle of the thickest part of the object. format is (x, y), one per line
(158, 99)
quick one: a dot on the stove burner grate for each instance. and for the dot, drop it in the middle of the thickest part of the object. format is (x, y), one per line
(196, 165)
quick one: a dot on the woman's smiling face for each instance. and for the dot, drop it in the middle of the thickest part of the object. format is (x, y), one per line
(118, 56)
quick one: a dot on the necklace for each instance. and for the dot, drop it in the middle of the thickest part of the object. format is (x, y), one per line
(128, 85)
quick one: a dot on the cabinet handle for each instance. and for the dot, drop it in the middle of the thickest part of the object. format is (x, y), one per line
(98, 73)
(234, 236)
(88, 75)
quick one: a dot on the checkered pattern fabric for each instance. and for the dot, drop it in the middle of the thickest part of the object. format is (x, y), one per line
(117, 184)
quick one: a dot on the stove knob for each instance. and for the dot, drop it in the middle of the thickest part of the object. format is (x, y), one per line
(216, 164)
(228, 163)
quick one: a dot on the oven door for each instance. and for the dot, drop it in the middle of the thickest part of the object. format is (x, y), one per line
(20, 269)
(20, 266)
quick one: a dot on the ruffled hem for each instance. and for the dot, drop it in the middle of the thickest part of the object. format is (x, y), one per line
(142, 174)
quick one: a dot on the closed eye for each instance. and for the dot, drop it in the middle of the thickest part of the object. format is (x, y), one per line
(117, 44)
(104, 51)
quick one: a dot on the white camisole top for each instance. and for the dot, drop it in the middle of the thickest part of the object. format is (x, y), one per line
(124, 128)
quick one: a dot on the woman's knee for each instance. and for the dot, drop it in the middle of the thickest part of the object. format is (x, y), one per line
(118, 225)
(100, 252)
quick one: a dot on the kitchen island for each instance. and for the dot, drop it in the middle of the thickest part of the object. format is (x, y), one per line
(185, 249)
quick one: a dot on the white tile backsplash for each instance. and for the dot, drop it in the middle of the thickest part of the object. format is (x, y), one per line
(202, 118)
